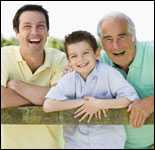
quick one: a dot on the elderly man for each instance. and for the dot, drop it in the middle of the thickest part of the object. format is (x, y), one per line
(27, 73)
(135, 60)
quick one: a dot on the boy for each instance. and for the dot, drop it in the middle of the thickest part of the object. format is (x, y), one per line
(94, 87)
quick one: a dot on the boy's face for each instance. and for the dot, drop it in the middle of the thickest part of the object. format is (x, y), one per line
(81, 57)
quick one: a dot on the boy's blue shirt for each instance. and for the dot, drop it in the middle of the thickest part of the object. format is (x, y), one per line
(103, 82)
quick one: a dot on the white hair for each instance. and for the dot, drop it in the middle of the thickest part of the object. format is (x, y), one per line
(119, 15)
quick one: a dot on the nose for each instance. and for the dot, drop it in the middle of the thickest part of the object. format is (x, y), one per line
(80, 59)
(34, 30)
(115, 44)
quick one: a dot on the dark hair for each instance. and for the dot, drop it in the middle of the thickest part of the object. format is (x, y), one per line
(78, 36)
(29, 7)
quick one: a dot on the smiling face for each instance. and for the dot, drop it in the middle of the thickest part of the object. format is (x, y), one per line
(118, 43)
(81, 57)
(33, 31)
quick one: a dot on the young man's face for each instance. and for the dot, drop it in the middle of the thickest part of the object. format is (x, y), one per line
(117, 42)
(33, 31)
(81, 57)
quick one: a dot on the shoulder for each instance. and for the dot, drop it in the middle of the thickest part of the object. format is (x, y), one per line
(9, 53)
(9, 49)
(104, 58)
(68, 78)
(55, 53)
(55, 56)
(105, 67)
(146, 47)
(107, 71)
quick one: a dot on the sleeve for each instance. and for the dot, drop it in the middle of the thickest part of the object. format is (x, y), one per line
(58, 68)
(65, 89)
(4, 69)
(121, 87)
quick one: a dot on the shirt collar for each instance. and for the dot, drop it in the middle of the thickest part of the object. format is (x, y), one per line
(47, 62)
(93, 73)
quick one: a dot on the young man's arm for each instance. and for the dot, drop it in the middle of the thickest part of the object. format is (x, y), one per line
(34, 93)
(57, 105)
(10, 98)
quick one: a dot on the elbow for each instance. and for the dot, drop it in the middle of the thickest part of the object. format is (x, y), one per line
(47, 107)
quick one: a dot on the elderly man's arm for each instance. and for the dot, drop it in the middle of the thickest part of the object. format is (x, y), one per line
(140, 111)
(34, 93)
(10, 98)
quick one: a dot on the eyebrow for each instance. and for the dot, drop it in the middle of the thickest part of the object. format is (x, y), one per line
(122, 34)
(109, 36)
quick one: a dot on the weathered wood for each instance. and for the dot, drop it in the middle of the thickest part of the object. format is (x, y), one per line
(35, 115)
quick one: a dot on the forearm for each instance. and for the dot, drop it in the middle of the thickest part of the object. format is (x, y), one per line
(33, 93)
(10, 98)
(113, 103)
(56, 105)
(149, 102)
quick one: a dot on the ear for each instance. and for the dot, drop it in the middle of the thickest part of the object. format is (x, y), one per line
(97, 54)
(17, 35)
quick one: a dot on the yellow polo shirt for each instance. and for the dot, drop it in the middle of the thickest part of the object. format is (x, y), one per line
(14, 67)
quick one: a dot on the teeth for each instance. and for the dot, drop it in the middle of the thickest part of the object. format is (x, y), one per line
(34, 40)
(82, 65)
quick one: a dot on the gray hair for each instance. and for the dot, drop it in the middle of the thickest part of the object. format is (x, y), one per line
(131, 26)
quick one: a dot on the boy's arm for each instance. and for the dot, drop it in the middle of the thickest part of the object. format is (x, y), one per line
(60, 105)
(92, 106)
(113, 103)
(34, 93)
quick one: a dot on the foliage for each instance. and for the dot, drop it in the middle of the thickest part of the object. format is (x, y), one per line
(7, 42)
(55, 43)
(51, 42)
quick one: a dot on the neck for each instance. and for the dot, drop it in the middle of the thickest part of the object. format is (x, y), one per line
(34, 59)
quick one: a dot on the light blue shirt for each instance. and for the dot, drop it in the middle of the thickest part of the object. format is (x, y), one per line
(103, 82)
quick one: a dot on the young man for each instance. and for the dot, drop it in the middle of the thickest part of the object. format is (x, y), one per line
(135, 60)
(94, 87)
(28, 70)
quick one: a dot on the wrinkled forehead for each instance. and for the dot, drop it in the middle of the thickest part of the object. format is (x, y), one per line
(114, 25)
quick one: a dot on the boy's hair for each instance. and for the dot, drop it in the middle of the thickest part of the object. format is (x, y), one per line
(78, 36)
(29, 7)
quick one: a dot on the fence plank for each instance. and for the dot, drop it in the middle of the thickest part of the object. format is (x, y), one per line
(35, 115)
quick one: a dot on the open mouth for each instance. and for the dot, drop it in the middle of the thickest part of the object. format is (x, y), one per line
(82, 65)
(34, 41)
(119, 53)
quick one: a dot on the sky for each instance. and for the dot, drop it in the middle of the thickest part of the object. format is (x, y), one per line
(68, 16)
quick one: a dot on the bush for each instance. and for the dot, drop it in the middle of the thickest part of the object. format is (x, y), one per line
(6, 42)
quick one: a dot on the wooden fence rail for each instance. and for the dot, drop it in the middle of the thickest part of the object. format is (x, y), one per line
(35, 115)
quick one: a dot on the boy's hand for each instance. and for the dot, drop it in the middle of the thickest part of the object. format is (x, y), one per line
(68, 68)
(89, 108)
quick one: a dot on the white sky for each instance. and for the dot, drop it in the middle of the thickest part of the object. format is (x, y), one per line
(68, 16)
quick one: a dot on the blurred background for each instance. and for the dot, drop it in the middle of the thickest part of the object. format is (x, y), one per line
(68, 16)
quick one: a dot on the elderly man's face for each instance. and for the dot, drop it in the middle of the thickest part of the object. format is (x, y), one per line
(33, 31)
(117, 42)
